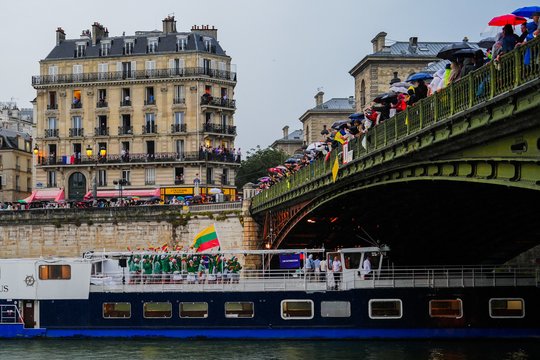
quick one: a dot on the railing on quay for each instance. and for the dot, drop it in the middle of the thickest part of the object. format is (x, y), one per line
(226, 206)
(132, 75)
(490, 81)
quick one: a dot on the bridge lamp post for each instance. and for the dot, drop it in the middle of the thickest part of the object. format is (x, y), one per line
(102, 154)
(120, 183)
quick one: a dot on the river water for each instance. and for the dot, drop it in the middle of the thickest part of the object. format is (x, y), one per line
(226, 350)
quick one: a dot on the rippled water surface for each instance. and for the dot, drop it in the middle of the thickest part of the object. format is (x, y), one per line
(226, 350)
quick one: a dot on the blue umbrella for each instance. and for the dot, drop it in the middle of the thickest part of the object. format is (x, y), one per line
(419, 76)
(356, 116)
(527, 11)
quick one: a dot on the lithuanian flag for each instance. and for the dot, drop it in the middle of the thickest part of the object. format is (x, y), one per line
(206, 239)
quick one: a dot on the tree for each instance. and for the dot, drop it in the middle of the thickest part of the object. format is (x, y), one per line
(257, 163)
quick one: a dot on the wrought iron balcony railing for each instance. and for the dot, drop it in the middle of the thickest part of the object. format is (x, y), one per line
(125, 130)
(77, 105)
(178, 128)
(76, 132)
(101, 131)
(220, 129)
(102, 104)
(219, 102)
(149, 129)
(132, 75)
(51, 133)
(179, 101)
(52, 107)
(150, 102)
(125, 103)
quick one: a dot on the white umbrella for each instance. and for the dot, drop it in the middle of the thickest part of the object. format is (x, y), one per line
(400, 89)
(316, 146)
(214, 191)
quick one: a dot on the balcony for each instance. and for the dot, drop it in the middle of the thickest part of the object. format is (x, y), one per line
(125, 130)
(149, 129)
(125, 103)
(77, 105)
(133, 75)
(178, 128)
(49, 133)
(76, 132)
(134, 158)
(101, 131)
(179, 101)
(150, 102)
(52, 107)
(218, 102)
(102, 104)
(219, 129)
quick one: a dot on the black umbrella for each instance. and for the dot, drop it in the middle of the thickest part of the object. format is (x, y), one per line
(448, 51)
(487, 43)
(386, 97)
(463, 53)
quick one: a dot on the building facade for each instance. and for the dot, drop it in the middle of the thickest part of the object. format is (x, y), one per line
(15, 119)
(373, 74)
(290, 143)
(155, 109)
(318, 120)
(15, 165)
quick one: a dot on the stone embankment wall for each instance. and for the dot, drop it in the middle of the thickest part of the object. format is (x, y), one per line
(71, 232)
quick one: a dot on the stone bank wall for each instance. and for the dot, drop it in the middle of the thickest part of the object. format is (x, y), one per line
(70, 232)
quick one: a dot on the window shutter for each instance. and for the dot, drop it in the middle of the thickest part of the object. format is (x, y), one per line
(118, 66)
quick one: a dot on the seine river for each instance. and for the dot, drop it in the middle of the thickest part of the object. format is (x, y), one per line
(227, 350)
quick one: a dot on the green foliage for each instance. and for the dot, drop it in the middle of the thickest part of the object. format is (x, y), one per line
(257, 163)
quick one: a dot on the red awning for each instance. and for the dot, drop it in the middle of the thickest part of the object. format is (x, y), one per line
(107, 194)
(49, 194)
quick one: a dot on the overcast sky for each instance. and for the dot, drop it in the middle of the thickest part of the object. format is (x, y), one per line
(284, 49)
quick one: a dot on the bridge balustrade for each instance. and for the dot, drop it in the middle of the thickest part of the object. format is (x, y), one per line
(482, 85)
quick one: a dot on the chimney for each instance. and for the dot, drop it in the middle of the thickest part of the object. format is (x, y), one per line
(319, 98)
(379, 41)
(169, 25)
(98, 32)
(205, 30)
(60, 36)
(413, 44)
(285, 131)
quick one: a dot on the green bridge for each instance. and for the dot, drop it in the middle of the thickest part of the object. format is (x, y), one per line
(475, 145)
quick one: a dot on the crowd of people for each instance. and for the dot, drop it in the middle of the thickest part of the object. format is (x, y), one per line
(170, 268)
(220, 153)
(460, 61)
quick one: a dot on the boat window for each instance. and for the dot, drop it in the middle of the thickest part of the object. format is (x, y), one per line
(506, 308)
(335, 309)
(352, 261)
(239, 310)
(446, 308)
(385, 309)
(159, 310)
(297, 309)
(193, 310)
(54, 272)
(116, 310)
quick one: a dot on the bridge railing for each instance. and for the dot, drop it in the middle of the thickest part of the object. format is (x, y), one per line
(490, 81)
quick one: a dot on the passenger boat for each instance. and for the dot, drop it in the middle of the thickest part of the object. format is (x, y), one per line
(97, 296)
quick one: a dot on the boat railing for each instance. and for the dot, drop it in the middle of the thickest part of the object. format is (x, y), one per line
(9, 314)
(298, 280)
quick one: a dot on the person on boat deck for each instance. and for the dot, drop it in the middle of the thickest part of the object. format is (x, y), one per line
(157, 270)
(202, 270)
(366, 267)
(147, 269)
(324, 269)
(309, 266)
(191, 271)
(234, 269)
(317, 267)
(175, 268)
(336, 269)
(165, 267)
(134, 269)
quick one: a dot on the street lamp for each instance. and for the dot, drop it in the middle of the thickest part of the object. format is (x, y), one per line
(36, 150)
(120, 183)
(102, 154)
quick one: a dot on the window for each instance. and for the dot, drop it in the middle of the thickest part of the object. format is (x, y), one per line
(296, 309)
(209, 175)
(150, 176)
(126, 175)
(506, 308)
(52, 101)
(152, 45)
(335, 309)
(181, 42)
(179, 94)
(76, 98)
(77, 72)
(179, 119)
(53, 72)
(102, 95)
(239, 310)
(51, 178)
(54, 272)
(149, 96)
(52, 123)
(105, 48)
(224, 121)
(385, 309)
(178, 176)
(225, 177)
(352, 260)
(80, 50)
(362, 94)
(150, 67)
(102, 178)
(128, 46)
(157, 310)
(116, 310)
(193, 310)
(446, 308)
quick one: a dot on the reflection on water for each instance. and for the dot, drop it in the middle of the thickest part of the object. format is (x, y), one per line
(314, 350)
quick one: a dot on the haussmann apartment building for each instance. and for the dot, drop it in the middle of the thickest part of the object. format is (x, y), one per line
(154, 109)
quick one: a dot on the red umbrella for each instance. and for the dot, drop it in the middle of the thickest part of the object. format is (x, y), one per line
(508, 19)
